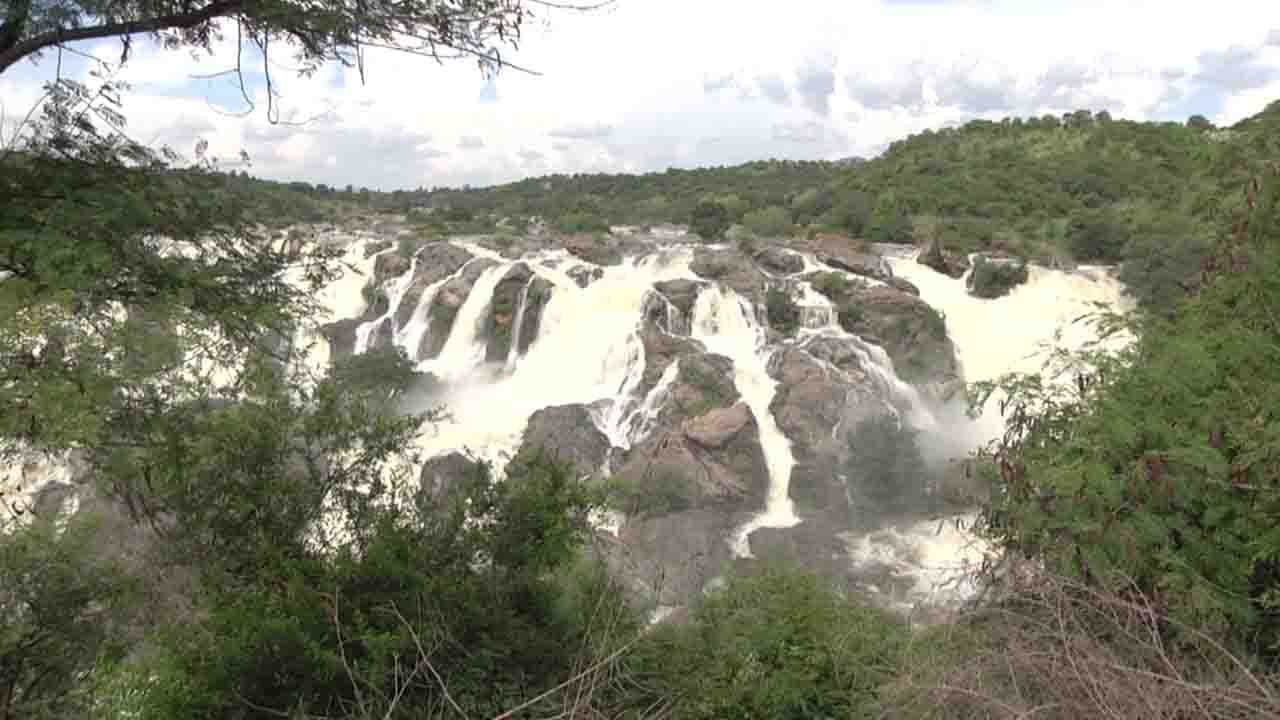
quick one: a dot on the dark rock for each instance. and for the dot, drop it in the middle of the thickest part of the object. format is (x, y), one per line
(911, 332)
(436, 262)
(669, 559)
(682, 293)
(660, 350)
(390, 265)
(443, 474)
(375, 247)
(567, 433)
(507, 295)
(536, 300)
(444, 307)
(904, 285)
(341, 336)
(779, 261)
(584, 275)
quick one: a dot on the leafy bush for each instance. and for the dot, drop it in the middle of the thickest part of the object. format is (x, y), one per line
(770, 644)
(885, 464)
(709, 220)
(992, 278)
(782, 310)
(770, 222)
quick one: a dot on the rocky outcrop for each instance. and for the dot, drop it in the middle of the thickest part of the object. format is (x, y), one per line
(584, 275)
(671, 307)
(505, 305)
(536, 300)
(669, 559)
(660, 350)
(375, 247)
(717, 428)
(436, 262)
(567, 433)
(390, 265)
(682, 293)
(905, 285)
(779, 260)
(934, 256)
(845, 253)
(732, 268)
(341, 336)
(444, 307)
(595, 249)
(909, 329)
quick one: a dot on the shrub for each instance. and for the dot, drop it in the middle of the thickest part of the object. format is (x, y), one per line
(782, 310)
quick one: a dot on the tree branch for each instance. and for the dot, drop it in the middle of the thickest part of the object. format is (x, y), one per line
(178, 21)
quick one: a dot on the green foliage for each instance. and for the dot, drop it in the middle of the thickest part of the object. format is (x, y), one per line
(885, 465)
(62, 606)
(782, 310)
(992, 279)
(770, 644)
(770, 222)
(1154, 469)
(660, 494)
(709, 220)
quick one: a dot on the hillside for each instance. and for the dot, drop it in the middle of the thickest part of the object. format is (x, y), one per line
(1081, 188)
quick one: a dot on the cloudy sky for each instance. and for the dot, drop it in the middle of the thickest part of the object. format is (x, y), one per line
(650, 84)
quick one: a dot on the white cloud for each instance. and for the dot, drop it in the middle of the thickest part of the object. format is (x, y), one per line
(631, 89)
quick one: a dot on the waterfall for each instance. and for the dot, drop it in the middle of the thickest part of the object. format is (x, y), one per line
(725, 323)
(513, 353)
(463, 352)
(398, 287)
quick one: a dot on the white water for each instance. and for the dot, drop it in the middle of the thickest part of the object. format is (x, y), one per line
(725, 324)
(991, 338)
(587, 350)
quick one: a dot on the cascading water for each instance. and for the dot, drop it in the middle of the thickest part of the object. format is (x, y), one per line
(725, 324)
(513, 353)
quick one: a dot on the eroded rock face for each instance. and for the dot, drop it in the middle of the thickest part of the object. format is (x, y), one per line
(507, 295)
(444, 307)
(540, 290)
(682, 293)
(844, 253)
(567, 433)
(436, 262)
(911, 332)
(717, 428)
(341, 336)
(670, 558)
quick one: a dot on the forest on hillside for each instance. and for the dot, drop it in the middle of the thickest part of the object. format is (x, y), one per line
(1081, 188)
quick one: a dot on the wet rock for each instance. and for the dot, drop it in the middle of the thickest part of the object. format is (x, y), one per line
(507, 295)
(911, 332)
(733, 268)
(536, 300)
(375, 247)
(845, 253)
(595, 249)
(567, 433)
(584, 275)
(444, 307)
(436, 262)
(660, 350)
(682, 293)
(341, 336)
(906, 286)
(779, 261)
(669, 559)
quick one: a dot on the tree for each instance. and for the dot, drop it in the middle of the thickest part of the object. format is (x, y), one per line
(768, 222)
(710, 220)
(1199, 122)
(885, 464)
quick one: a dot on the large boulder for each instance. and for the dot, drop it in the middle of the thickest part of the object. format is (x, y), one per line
(717, 428)
(730, 267)
(845, 253)
(909, 329)
(567, 433)
(445, 305)
(779, 260)
(671, 308)
(436, 262)
(584, 275)
(682, 293)
(505, 305)
(595, 249)
(390, 265)
(341, 336)
(660, 350)
(669, 559)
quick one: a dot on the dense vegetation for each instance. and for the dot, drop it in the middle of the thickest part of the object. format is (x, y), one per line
(251, 543)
